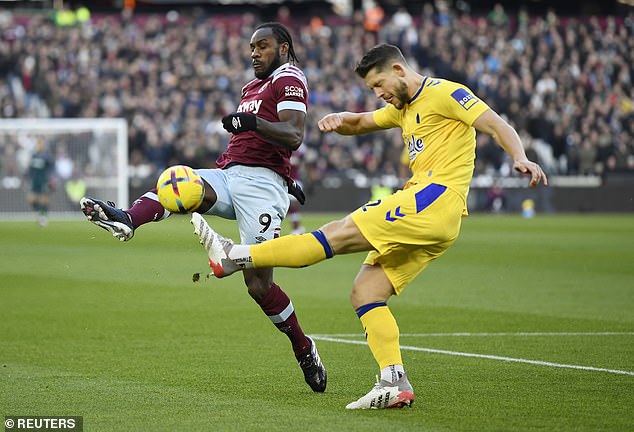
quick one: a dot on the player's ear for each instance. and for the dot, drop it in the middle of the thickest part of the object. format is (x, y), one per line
(284, 48)
(398, 69)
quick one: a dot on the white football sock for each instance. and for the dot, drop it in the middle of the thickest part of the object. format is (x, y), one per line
(241, 255)
(392, 373)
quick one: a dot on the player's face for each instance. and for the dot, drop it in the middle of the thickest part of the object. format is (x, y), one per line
(388, 86)
(266, 53)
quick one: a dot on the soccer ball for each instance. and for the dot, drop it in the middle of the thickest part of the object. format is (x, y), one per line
(180, 189)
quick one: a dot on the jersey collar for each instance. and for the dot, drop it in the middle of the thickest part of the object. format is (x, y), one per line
(418, 91)
(279, 69)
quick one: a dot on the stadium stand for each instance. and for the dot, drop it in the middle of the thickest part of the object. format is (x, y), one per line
(566, 83)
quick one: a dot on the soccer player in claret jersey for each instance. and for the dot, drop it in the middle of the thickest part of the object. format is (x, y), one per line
(252, 182)
(405, 231)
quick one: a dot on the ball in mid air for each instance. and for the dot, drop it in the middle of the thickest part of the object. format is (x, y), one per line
(180, 189)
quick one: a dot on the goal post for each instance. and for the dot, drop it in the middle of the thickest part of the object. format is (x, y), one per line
(87, 155)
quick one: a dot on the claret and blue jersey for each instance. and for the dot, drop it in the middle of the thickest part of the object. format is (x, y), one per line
(285, 89)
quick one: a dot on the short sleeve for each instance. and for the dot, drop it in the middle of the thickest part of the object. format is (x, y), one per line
(387, 117)
(461, 104)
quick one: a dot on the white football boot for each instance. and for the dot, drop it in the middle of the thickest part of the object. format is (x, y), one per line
(386, 395)
(217, 247)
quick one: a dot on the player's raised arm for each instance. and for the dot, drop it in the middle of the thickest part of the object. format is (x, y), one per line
(348, 123)
(491, 123)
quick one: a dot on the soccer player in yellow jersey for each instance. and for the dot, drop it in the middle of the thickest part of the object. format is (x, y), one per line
(405, 231)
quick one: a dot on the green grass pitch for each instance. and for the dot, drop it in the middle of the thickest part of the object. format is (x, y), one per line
(524, 325)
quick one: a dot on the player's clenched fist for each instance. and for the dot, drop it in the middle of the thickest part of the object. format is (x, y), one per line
(330, 122)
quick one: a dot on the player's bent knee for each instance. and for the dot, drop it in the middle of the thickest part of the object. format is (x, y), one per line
(361, 295)
(370, 286)
(355, 300)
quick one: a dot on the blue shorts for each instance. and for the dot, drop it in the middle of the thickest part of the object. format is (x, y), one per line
(255, 197)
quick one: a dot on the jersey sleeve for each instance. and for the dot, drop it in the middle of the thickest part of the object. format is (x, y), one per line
(460, 103)
(291, 92)
(387, 117)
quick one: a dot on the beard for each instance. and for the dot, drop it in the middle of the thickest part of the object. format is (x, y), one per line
(400, 93)
(277, 62)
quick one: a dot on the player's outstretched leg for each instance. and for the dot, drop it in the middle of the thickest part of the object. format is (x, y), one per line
(386, 395)
(313, 368)
(217, 247)
(108, 217)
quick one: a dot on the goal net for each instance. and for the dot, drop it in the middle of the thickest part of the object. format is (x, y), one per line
(88, 157)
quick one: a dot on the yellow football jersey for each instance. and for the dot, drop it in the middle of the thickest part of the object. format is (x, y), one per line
(438, 132)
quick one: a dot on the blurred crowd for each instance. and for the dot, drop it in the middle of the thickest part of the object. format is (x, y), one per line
(564, 83)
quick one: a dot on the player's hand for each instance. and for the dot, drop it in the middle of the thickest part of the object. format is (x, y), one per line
(330, 122)
(239, 122)
(531, 168)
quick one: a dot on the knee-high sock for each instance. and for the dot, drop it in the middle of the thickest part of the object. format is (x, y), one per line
(381, 332)
(146, 208)
(292, 251)
(279, 308)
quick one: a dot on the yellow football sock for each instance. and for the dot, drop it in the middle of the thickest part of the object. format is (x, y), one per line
(292, 251)
(382, 333)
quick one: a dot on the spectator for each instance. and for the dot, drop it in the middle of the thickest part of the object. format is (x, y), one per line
(373, 16)
(551, 76)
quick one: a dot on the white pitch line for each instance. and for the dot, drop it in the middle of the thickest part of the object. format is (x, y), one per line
(485, 356)
(463, 334)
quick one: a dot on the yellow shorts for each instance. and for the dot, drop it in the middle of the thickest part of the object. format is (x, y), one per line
(409, 229)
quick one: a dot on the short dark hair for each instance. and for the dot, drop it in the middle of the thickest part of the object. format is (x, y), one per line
(379, 57)
(282, 35)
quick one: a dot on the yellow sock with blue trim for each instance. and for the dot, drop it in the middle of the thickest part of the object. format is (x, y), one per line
(292, 251)
(381, 332)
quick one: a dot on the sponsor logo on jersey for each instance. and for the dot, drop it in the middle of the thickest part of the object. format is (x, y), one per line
(414, 146)
(250, 106)
(291, 90)
(464, 98)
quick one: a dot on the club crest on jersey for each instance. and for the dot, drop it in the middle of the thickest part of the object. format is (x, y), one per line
(250, 106)
(464, 98)
(266, 84)
(414, 146)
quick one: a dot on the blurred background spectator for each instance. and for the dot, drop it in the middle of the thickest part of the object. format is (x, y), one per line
(564, 82)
